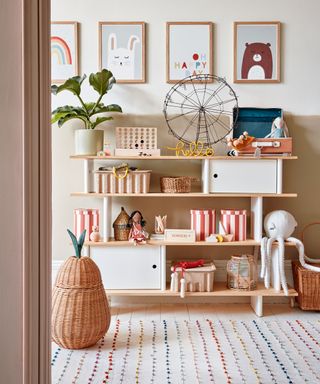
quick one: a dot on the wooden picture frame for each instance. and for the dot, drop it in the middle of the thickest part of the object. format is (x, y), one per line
(122, 50)
(256, 52)
(196, 57)
(64, 50)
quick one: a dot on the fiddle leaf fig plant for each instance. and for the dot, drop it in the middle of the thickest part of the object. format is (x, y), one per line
(102, 82)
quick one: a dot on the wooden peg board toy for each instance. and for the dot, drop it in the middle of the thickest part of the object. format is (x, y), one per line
(136, 141)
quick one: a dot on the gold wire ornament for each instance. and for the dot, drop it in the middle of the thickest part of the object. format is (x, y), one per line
(196, 149)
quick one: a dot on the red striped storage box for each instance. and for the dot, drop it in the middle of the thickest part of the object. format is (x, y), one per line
(235, 223)
(85, 219)
(203, 221)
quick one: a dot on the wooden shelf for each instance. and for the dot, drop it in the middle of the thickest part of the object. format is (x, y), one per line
(192, 194)
(113, 243)
(80, 157)
(220, 289)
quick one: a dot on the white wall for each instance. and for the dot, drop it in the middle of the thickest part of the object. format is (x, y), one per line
(297, 94)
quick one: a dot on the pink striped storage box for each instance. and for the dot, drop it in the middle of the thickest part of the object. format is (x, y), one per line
(203, 221)
(235, 222)
(85, 219)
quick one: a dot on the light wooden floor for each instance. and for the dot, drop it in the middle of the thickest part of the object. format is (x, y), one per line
(212, 311)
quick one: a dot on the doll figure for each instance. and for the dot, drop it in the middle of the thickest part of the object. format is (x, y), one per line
(136, 223)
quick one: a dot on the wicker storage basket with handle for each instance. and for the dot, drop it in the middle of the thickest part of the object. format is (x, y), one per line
(176, 184)
(306, 282)
(80, 310)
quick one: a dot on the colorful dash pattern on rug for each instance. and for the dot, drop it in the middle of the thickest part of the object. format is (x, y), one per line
(202, 351)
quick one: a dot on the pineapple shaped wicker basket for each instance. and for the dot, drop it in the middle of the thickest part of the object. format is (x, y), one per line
(80, 310)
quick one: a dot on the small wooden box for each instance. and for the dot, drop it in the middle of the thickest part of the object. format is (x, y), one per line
(180, 235)
(198, 279)
(307, 284)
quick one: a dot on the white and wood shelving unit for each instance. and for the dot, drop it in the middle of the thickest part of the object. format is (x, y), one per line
(149, 278)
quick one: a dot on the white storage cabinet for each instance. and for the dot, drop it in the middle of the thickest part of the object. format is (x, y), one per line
(128, 267)
(243, 176)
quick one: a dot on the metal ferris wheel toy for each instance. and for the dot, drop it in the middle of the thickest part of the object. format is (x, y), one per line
(201, 108)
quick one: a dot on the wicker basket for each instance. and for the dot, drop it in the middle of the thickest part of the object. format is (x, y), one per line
(176, 184)
(307, 284)
(120, 226)
(80, 310)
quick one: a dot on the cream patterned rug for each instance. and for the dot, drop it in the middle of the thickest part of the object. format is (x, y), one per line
(204, 351)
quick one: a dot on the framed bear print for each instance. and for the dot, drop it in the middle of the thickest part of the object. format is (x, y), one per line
(257, 52)
(122, 50)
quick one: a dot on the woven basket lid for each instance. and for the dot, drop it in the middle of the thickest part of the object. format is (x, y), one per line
(78, 273)
(122, 219)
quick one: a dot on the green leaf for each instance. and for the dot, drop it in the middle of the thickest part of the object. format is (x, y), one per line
(100, 120)
(101, 81)
(89, 106)
(81, 241)
(57, 116)
(80, 79)
(112, 81)
(106, 108)
(75, 243)
(67, 108)
(69, 117)
(72, 85)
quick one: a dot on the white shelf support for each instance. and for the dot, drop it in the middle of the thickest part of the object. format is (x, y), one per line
(279, 175)
(106, 217)
(256, 217)
(163, 261)
(205, 175)
(257, 305)
(88, 166)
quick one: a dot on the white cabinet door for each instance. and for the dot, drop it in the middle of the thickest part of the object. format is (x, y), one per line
(128, 267)
(243, 176)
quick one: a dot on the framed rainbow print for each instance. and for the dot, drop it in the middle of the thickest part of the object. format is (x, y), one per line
(189, 50)
(64, 50)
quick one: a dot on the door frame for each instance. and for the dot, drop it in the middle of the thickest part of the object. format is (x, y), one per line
(36, 191)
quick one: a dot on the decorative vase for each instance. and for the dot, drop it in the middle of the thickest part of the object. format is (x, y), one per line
(80, 309)
(88, 141)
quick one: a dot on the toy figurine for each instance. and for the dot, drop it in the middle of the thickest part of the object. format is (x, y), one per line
(243, 141)
(279, 226)
(136, 223)
(278, 129)
(95, 235)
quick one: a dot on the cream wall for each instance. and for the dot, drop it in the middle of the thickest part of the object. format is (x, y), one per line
(297, 94)
(11, 194)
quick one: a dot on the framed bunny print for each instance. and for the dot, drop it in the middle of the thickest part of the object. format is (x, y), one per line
(122, 50)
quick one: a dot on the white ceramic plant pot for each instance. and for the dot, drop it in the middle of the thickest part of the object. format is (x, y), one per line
(88, 141)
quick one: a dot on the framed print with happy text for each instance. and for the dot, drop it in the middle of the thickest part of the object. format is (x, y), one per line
(189, 50)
